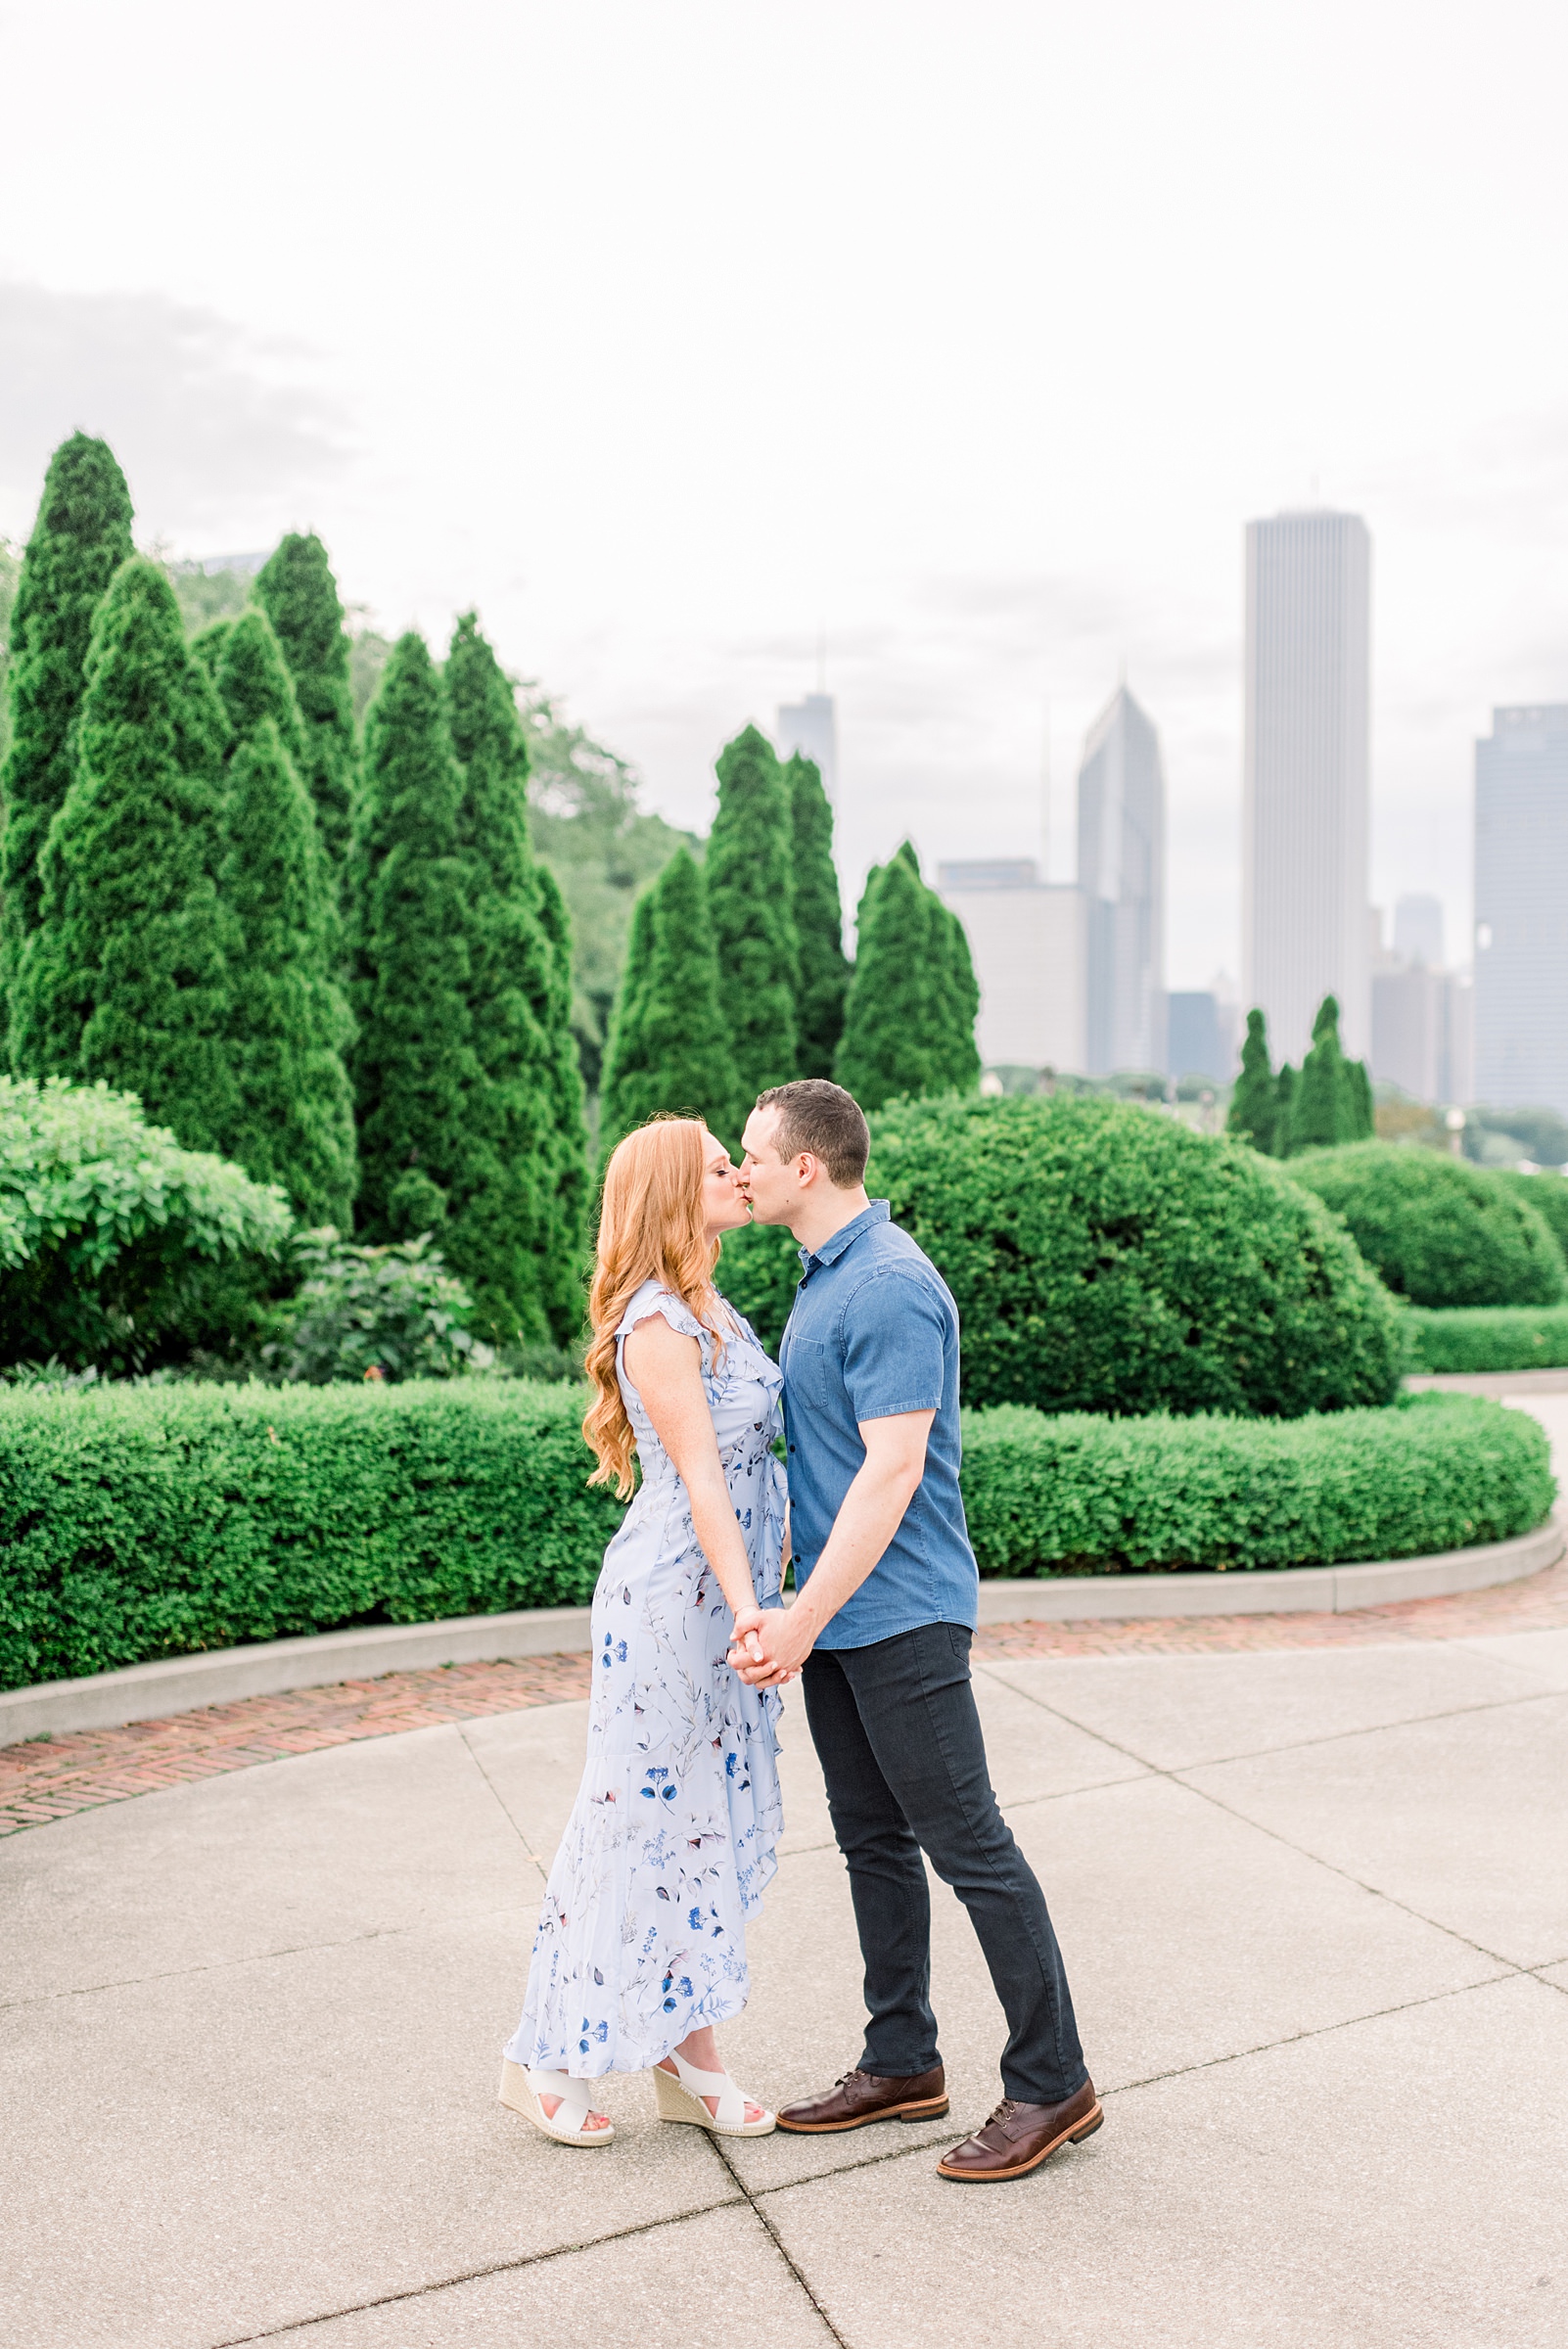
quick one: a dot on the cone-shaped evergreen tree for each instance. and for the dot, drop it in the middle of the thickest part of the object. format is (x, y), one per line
(624, 1053)
(412, 1062)
(1286, 1088)
(903, 1024)
(683, 1058)
(1362, 1117)
(127, 975)
(505, 1233)
(1254, 1101)
(1319, 1114)
(818, 921)
(567, 1264)
(298, 594)
(958, 997)
(748, 872)
(289, 1021)
(80, 540)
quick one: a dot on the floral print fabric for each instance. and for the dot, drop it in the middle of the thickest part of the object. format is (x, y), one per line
(642, 1937)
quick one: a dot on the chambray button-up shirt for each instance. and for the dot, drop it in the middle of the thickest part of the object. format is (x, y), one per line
(874, 1332)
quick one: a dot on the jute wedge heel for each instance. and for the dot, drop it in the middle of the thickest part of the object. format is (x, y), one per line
(681, 2099)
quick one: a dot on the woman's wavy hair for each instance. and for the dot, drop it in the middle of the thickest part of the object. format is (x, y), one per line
(650, 1229)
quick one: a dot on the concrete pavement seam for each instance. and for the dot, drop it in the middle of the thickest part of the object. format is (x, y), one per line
(523, 1840)
(498, 2266)
(778, 2243)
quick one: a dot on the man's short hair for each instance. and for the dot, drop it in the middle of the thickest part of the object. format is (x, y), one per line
(823, 1118)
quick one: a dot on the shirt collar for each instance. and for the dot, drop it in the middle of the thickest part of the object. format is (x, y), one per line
(845, 1236)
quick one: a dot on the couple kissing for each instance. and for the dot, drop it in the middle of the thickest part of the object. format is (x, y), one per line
(640, 1952)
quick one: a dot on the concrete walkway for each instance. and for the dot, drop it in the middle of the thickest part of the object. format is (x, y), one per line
(1315, 1907)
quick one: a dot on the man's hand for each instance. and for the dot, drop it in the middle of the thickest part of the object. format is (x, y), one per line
(771, 1644)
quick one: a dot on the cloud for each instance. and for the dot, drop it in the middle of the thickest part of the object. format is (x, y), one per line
(216, 429)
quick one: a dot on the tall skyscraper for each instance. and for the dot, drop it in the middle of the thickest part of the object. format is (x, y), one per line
(1419, 931)
(1521, 926)
(1303, 802)
(1026, 941)
(1121, 870)
(809, 728)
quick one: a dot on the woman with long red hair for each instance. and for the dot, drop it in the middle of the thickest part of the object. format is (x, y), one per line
(641, 1946)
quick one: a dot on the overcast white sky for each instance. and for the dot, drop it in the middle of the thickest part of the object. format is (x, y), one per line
(971, 331)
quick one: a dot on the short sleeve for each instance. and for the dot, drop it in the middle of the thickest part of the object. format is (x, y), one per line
(650, 1300)
(894, 1348)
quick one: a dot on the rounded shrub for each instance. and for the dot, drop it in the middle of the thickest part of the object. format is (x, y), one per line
(1437, 1230)
(1106, 1258)
(1547, 1192)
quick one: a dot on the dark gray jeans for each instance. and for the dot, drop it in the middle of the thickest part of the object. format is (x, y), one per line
(897, 1735)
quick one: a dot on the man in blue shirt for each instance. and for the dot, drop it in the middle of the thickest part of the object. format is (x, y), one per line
(880, 1630)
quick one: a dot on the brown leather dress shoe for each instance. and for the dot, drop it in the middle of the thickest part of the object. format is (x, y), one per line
(860, 2096)
(1018, 2138)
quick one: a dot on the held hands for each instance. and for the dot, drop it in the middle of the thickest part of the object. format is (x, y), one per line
(771, 1645)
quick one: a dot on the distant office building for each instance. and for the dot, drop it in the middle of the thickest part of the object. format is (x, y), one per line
(1200, 1036)
(1419, 931)
(1304, 838)
(1121, 870)
(1521, 910)
(1410, 1029)
(809, 728)
(1027, 937)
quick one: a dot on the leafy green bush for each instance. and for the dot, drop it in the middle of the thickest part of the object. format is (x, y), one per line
(1437, 1230)
(1104, 1258)
(1546, 1193)
(150, 1521)
(109, 1232)
(758, 1271)
(391, 1312)
(1488, 1337)
(1081, 1495)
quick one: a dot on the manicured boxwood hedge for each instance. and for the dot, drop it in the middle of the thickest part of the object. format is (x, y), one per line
(1437, 1230)
(1081, 1495)
(1494, 1337)
(152, 1522)
(143, 1522)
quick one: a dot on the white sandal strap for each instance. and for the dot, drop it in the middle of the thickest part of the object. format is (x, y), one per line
(731, 2111)
(574, 2108)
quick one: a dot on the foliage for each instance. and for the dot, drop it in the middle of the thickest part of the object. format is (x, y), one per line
(1333, 1098)
(759, 1271)
(298, 594)
(1436, 1230)
(413, 1063)
(507, 1229)
(1546, 1193)
(10, 573)
(909, 1020)
(127, 977)
(670, 1050)
(106, 1226)
(80, 540)
(288, 1021)
(145, 1522)
(1486, 1337)
(602, 849)
(818, 920)
(750, 903)
(1254, 1100)
(1106, 1258)
(393, 1313)
(206, 597)
(567, 1270)
(1080, 1495)
(1539, 1135)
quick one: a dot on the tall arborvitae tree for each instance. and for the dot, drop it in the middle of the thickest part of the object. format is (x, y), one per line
(750, 903)
(412, 1062)
(1285, 1084)
(1254, 1100)
(289, 1021)
(624, 1053)
(1322, 1111)
(1361, 1115)
(127, 975)
(80, 540)
(818, 921)
(567, 1261)
(683, 1060)
(298, 594)
(505, 1235)
(959, 997)
(903, 1032)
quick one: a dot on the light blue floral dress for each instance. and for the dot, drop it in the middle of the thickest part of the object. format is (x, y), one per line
(642, 1937)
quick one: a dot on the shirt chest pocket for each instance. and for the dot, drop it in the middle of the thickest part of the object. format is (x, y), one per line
(813, 1374)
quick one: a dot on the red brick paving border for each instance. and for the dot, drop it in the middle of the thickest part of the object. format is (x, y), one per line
(47, 1779)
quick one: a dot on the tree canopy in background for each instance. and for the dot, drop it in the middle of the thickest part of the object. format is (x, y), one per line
(298, 594)
(1255, 1099)
(673, 1050)
(818, 920)
(909, 1020)
(80, 540)
(749, 874)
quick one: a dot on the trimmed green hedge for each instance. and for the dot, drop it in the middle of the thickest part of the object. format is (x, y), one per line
(1545, 1192)
(149, 1522)
(1436, 1229)
(1081, 1495)
(143, 1522)
(1488, 1337)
